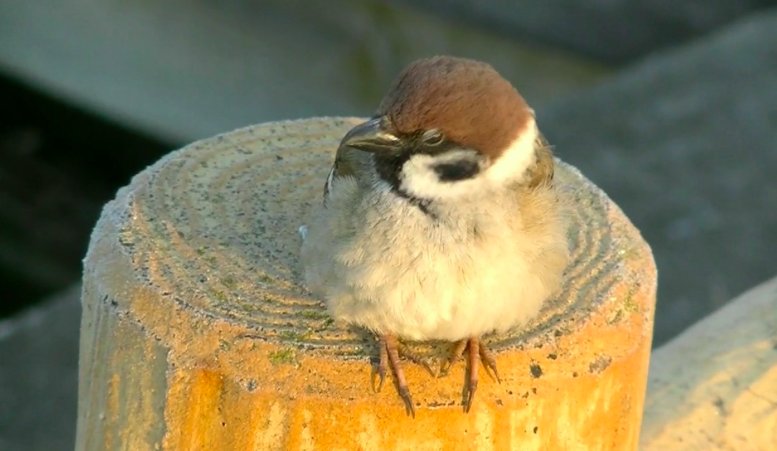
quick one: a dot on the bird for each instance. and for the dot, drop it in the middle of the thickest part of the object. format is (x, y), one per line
(440, 219)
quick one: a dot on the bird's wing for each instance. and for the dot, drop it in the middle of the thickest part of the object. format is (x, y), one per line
(541, 174)
(344, 166)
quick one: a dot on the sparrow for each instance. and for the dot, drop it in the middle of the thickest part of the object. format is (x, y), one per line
(440, 219)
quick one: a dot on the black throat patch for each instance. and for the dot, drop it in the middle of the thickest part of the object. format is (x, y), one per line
(389, 168)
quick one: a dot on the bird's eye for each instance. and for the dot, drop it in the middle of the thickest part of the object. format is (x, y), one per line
(432, 137)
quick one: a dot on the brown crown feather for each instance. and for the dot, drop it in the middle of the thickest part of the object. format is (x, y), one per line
(467, 100)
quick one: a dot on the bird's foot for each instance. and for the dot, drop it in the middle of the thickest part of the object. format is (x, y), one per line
(476, 351)
(389, 349)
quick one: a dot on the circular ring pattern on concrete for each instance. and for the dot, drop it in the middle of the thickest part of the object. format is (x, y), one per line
(213, 227)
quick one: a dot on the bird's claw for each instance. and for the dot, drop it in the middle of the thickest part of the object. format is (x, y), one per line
(389, 357)
(456, 353)
(389, 350)
(380, 369)
(415, 358)
(404, 393)
(476, 351)
(470, 394)
(379, 373)
(489, 363)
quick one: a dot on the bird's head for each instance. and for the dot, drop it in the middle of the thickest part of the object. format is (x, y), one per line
(447, 127)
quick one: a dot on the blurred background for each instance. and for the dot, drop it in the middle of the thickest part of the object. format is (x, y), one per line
(670, 107)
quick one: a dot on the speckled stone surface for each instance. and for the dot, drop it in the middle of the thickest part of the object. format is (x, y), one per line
(715, 386)
(192, 300)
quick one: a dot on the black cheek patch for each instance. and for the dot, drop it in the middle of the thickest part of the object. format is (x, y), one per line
(456, 170)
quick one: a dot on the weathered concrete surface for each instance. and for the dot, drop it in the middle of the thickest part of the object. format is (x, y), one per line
(39, 375)
(686, 144)
(613, 30)
(714, 387)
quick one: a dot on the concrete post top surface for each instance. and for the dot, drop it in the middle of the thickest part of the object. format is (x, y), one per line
(201, 250)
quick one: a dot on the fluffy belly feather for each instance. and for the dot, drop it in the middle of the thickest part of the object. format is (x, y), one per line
(384, 265)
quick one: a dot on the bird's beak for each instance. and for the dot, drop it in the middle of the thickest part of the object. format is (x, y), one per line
(372, 136)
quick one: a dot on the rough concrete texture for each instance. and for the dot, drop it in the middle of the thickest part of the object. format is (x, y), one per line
(686, 144)
(714, 387)
(39, 376)
(613, 30)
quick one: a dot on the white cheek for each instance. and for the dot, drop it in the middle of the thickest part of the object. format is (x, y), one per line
(518, 157)
(421, 180)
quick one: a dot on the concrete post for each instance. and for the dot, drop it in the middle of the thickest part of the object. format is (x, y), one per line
(196, 333)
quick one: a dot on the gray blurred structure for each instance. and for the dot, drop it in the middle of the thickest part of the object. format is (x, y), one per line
(611, 30)
(39, 375)
(187, 69)
(686, 144)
